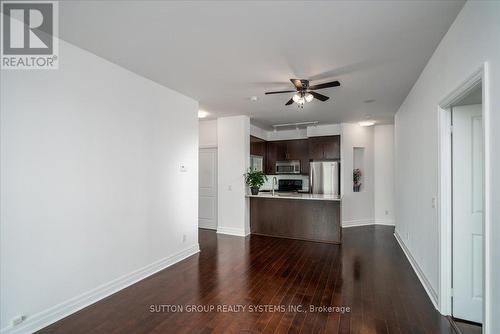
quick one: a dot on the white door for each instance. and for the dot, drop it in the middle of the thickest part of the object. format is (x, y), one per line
(207, 203)
(468, 190)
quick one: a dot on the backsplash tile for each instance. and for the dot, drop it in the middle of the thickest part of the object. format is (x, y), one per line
(304, 178)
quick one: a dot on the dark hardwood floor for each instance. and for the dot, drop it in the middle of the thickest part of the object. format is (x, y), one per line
(367, 273)
(465, 327)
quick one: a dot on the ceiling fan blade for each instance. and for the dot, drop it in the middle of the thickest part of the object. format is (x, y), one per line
(300, 83)
(289, 102)
(281, 91)
(319, 96)
(325, 85)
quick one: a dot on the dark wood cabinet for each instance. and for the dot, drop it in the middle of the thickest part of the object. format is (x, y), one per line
(314, 148)
(327, 147)
(296, 149)
(299, 150)
(288, 150)
(276, 151)
(297, 219)
(257, 146)
(332, 147)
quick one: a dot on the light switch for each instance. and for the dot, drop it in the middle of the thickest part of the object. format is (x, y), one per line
(183, 168)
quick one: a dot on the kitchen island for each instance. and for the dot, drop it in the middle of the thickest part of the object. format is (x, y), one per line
(304, 216)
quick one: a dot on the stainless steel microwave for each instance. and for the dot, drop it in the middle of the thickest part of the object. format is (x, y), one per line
(288, 167)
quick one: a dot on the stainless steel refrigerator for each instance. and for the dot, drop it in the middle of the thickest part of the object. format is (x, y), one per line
(324, 177)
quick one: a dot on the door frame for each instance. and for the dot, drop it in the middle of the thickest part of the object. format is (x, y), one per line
(480, 76)
(211, 148)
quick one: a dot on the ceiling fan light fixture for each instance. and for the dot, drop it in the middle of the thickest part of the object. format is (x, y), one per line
(309, 97)
(296, 97)
(305, 92)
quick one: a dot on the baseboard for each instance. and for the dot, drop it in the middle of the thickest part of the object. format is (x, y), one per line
(47, 317)
(367, 222)
(420, 274)
(213, 145)
(360, 222)
(385, 222)
(205, 225)
(239, 232)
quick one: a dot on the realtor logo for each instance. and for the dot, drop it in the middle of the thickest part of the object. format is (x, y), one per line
(28, 29)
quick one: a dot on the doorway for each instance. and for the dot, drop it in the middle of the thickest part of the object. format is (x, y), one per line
(468, 207)
(207, 183)
(464, 203)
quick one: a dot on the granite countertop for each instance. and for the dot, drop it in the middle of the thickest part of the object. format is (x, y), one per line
(295, 195)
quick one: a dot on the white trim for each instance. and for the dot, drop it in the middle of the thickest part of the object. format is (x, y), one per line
(43, 319)
(487, 197)
(207, 226)
(419, 272)
(385, 222)
(444, 210)
(239, 232)
(207, 146)
(463, 89)
(367, 222)
(359, 222)
(445, 217)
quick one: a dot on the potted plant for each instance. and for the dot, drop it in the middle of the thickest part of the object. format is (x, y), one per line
(255, 179)
(356, 177)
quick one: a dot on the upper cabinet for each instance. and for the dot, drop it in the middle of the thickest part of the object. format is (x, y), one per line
(327, 147)
(298, 150)
(314, 148)
(288, 150)
(257, 146)
(276, 151)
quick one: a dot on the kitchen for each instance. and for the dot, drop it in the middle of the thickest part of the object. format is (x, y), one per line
(301, 197)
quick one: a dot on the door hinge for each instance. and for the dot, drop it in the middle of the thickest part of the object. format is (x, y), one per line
(451, 292)
(451, 128)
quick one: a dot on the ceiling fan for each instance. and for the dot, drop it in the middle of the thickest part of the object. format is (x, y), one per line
(306, 93)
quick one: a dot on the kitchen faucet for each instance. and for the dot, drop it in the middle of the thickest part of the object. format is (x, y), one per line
(275, 182)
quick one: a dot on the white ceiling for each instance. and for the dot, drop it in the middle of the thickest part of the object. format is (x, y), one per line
(222, 53)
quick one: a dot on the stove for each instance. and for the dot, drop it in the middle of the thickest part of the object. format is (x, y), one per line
(289, 185)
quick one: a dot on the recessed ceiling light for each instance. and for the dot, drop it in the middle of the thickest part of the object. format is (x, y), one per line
(254, 98)
(366, 123)
(202, 114)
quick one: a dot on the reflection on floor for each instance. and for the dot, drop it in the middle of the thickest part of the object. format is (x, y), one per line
(464, 327)
(276, 281)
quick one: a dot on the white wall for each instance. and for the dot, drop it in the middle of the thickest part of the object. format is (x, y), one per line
(92, 195)
(233, 156)
(324, 130)
(258, 132)
(357, 207)
(384, 174)
(301, 133)
(208, 133)
(472, 40)
(287, 134)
